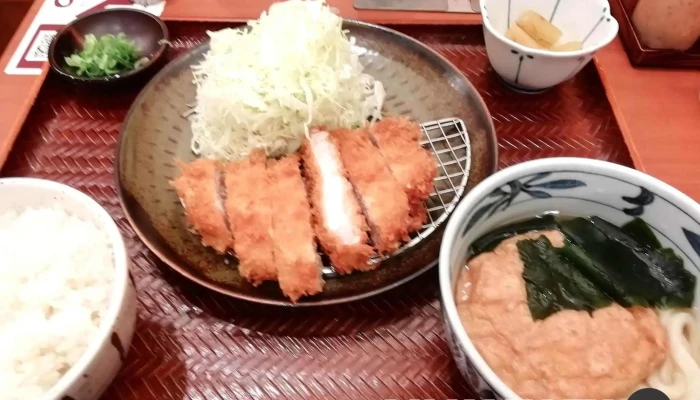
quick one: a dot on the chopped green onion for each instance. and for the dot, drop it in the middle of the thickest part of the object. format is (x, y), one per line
(109, 55)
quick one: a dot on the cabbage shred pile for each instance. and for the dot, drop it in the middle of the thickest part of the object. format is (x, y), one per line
(263, 87)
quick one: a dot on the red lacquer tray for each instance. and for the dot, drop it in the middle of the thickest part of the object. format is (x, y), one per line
(193, 344)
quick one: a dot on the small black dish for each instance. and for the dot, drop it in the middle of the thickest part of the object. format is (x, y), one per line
(147, 30)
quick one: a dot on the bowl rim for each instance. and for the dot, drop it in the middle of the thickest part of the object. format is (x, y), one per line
(119, 284)
(548, 53)
(56, 66)
(486, 186)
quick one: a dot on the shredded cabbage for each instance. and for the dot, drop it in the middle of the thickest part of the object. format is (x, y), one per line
(263, 87)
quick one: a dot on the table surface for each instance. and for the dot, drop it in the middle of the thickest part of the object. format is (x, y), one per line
(658, 110)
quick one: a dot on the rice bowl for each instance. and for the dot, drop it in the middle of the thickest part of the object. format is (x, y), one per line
(72, 303)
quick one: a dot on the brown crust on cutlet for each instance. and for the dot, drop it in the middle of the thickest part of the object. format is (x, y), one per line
(344, 257)
(419, 216)
(197, 189)
(413, 167)
(298, 263)
(399, 126)
(250, 215)
(383, 201)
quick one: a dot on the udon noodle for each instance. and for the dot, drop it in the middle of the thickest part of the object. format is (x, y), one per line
(679, 376)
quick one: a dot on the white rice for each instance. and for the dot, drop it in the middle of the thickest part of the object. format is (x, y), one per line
(56, 274)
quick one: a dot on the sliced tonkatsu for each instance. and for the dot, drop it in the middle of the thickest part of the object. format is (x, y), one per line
(340, 227)
(298, 263)
(382, 199)
(200, 191)
(250, 214)
(418, 216)
(358, 193)
(413, 167)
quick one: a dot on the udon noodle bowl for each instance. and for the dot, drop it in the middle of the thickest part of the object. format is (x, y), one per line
(581, 309)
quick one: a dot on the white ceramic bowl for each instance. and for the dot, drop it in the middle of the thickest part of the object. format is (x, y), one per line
(572, 186)
(530, 70)
(98, 366)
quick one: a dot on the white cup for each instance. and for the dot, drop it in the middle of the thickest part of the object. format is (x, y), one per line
(531, 70)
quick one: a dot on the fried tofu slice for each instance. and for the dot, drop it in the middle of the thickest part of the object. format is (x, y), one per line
(250, 214)
(298, 263)
(340, 227)
(200, 191)
(382, 199)
(413, 167)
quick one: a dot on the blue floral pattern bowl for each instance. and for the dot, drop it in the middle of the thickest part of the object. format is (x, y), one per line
(571, 186)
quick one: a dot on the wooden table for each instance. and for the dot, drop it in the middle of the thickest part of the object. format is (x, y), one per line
(658, 110)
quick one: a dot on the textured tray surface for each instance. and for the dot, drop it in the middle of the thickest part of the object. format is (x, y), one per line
(193, 344)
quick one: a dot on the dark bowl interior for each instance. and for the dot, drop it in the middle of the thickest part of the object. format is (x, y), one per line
(147, 30)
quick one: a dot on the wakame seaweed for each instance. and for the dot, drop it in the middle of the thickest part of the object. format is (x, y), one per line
(598, 264)
(553, 283)
(638, 230)
(492, 239)
(601, 276)
(642, 233)
(656, 275)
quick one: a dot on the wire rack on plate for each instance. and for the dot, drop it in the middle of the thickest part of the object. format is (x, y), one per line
(448, 141)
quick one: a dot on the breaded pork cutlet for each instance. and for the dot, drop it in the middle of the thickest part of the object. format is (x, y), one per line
(382, 199)
(413, 167)
(418, 215)
(340, 227)
(200, 191)
(250, 215)
(298, 263)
